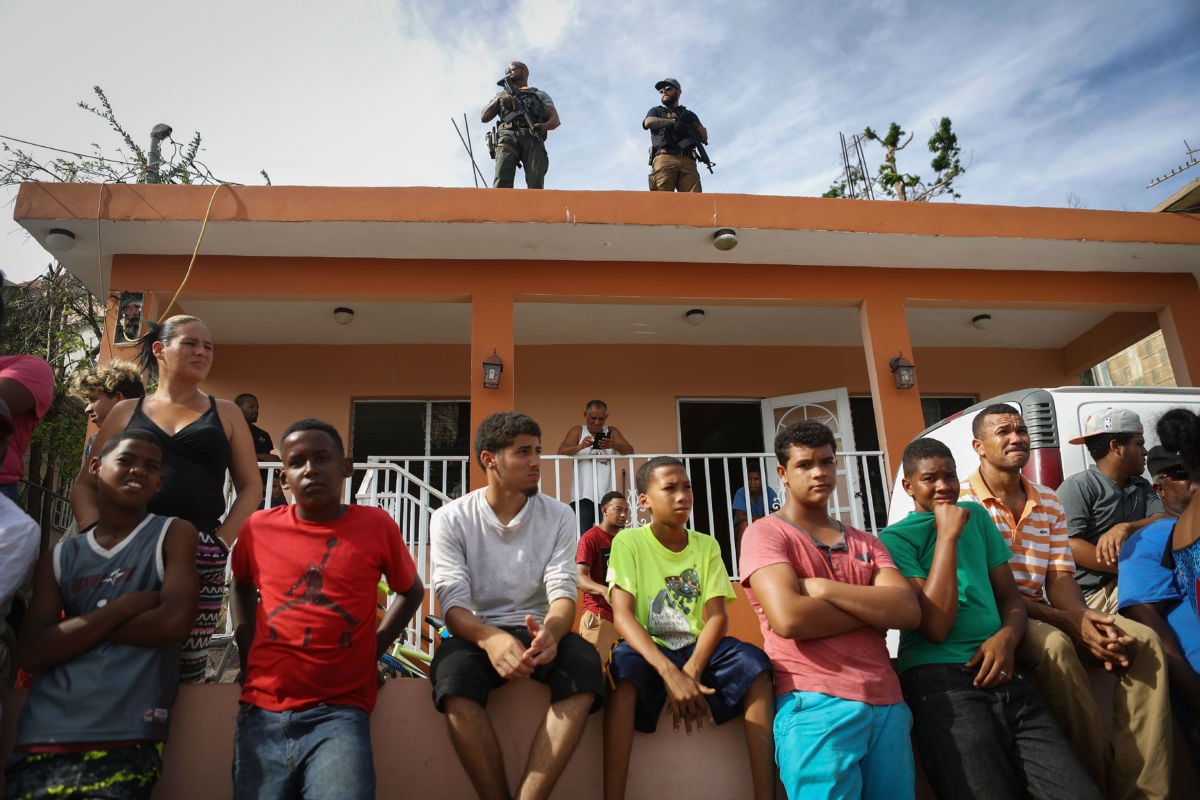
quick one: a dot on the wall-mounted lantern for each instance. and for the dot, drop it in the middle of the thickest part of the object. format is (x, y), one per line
(492, 367)
(904, 372)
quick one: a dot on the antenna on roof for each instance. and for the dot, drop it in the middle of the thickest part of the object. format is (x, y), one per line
(1191, 162)
(855, 173)
(477, 175)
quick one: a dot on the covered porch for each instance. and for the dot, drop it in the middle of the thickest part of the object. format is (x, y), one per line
(585, 295)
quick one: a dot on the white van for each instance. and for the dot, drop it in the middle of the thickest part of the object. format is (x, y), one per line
(1053, 416)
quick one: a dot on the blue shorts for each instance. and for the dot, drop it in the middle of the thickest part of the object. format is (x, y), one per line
(733, 667)
(829, 747)
(463, 669)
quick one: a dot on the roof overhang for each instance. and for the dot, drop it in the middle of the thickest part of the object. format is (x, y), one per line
(474, 224)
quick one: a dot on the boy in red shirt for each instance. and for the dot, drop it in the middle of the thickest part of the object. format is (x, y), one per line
(309, 647)
(591, 558)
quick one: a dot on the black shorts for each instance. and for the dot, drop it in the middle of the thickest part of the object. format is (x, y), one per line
(463, 669)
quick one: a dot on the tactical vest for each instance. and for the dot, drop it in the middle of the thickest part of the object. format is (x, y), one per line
(668, 137)
(531, 100)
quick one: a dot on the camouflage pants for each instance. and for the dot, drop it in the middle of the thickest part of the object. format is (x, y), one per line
(518, 144)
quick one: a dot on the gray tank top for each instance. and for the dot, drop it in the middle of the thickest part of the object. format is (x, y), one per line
(113, 692)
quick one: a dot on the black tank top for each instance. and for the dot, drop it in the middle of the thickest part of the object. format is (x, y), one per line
(194, 464)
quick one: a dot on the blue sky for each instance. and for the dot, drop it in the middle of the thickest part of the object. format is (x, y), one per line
(1048, 99)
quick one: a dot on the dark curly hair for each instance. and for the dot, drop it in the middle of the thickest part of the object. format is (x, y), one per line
(1179, 431)
(500, 430)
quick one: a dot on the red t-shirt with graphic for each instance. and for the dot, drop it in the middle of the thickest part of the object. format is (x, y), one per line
(314, 638)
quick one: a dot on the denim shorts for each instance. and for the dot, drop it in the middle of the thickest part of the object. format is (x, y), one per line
(463, 669)
(111, 773)
(323, 751)
(733, 667)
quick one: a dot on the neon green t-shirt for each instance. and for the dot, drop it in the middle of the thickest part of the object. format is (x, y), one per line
(669, 588)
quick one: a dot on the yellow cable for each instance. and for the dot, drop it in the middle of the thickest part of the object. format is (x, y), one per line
(196, 252)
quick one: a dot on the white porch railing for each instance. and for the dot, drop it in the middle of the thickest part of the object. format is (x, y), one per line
(410, 488)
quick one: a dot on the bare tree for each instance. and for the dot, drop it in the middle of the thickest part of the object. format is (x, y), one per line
(129, 163)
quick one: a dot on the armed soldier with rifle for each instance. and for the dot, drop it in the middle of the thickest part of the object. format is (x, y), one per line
(524, 115)
(677, 142)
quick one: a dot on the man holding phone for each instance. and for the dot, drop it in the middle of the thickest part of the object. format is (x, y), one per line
(592, 442)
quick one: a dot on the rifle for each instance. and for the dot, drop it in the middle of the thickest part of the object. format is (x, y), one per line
(691, 137)
(507, 84)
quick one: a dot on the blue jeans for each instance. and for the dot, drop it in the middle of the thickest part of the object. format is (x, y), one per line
(989, 743)
(318, 752)
(827, 747)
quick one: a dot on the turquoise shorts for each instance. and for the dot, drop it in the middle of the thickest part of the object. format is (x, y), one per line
(829, 747)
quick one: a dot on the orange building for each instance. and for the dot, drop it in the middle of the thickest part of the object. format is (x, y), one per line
(587, 295)
(584, 294)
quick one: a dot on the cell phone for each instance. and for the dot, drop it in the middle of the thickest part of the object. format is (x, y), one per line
(603, 434)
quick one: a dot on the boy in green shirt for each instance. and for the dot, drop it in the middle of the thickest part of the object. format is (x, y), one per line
(668, 592)
(981, 729)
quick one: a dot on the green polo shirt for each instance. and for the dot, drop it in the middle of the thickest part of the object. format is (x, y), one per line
(980, 549)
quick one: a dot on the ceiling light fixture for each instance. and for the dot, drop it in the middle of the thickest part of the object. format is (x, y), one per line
(343, 315)
(982, 321)
(60, 240)
(695, 316)
(725, 239)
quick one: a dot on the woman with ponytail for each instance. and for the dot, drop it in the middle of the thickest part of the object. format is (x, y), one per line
(201, 438)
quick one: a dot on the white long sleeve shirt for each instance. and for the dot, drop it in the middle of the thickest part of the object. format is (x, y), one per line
(503, 572)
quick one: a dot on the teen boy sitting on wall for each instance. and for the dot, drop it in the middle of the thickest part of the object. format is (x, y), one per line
(669, 588)
(823, 593)
(503, 576)
(981, 729)
(309, 645)
(110, 608)
(591, 559)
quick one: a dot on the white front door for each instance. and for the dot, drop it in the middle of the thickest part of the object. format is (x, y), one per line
(830, 407)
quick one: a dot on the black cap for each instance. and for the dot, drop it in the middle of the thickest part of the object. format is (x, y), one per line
(668, 82)
(1160, 459)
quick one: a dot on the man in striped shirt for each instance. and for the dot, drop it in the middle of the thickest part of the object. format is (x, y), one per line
(1065, 640)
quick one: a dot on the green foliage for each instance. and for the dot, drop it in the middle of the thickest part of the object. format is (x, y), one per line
(57, 318)
(946, 165)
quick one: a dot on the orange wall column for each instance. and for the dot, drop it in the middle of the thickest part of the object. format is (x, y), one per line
(1180, 323)
(897, 412)
(491, 329)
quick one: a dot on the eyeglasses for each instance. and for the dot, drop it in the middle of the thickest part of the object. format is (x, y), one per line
(512, 68)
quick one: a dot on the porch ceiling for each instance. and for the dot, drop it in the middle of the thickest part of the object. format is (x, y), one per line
(249, 322)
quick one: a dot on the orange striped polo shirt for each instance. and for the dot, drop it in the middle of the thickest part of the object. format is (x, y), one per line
(1038, 539)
